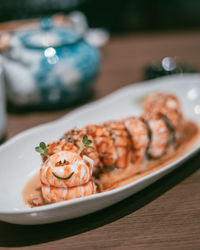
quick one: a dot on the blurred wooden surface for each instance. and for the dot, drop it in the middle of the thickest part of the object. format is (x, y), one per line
(165, 215)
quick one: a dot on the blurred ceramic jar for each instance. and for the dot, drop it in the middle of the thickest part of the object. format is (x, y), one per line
(2, 105)
(48, 66)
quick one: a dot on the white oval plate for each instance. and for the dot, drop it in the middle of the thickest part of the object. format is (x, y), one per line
(19, 161)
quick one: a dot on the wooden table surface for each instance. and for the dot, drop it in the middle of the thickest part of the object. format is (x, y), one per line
(166, 215)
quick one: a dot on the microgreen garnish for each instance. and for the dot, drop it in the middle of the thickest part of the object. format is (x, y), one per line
(85, 144)
(63, 178)
(42, 149)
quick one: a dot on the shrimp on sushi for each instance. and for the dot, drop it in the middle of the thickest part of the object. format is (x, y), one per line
(63, 164)
(55, 194)
(139, 137)
(104, 144)
(159, 136)
(121, 141)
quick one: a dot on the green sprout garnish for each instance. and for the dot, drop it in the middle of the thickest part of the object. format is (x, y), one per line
(85, 144)
(63, 178)
(42, 149)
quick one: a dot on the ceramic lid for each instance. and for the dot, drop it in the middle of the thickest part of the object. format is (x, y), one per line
(48, 35)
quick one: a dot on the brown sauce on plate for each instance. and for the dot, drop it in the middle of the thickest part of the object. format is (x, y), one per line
(32, 194)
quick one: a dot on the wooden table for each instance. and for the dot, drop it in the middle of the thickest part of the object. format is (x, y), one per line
(165, 215)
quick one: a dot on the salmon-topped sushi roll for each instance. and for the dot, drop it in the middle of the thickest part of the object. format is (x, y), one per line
(53, 194)
(75, 136)
(159, 136)
(169, 107)
(104, 144)
(158, 100)
(58, 146)
(121, 141)
(64, 164)
(139, 137)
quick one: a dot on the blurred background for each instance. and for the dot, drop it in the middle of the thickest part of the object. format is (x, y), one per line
(59, 54)
(115, 15)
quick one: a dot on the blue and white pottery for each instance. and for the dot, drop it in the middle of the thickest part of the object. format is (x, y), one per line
(49, 66)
